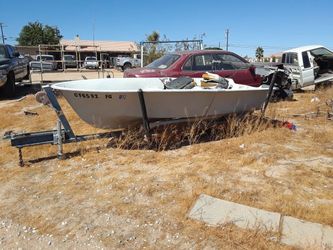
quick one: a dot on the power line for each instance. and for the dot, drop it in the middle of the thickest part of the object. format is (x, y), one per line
(251, 46)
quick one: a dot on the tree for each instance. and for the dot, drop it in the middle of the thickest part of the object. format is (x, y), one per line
(35, 33)
(153, 37)
(152, 50)
(259, 53)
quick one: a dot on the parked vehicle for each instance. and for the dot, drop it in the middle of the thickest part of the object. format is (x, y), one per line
(13, 67)
(44, 63)
(308, 65)
(90, 62)
(196, 63)
(126, 62)
(69, 61)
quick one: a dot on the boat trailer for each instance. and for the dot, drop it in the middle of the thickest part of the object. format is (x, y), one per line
(64, 134)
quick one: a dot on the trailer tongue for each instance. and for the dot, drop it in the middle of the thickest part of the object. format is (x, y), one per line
(62, 135)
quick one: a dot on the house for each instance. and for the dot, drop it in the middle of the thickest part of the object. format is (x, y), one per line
(276, 57)
(113, 48)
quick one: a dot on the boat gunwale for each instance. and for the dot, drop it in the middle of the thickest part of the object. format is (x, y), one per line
(156, 90)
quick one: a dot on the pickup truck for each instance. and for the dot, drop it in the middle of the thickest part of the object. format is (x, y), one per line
(308, 65)
(13, 68)
(69, 61)
(44, 63)
(303, 66)
(90, 62)
(126, 62)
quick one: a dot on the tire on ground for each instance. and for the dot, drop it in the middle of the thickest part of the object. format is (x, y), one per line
(27, 76)
(8, 90)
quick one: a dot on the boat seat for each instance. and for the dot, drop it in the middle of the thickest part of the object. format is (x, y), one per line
(180, 83)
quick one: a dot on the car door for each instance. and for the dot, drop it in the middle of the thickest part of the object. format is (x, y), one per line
(198, 64)
(307, 69)
(17, 63)
(231, 66)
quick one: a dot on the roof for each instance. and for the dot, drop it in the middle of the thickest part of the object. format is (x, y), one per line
(304, 48)
(277, 54)
(104, 46)
(205, 51)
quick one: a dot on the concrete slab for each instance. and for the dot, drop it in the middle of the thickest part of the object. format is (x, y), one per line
(301, 233)
(218, 212)
(327, 237)
(293, 231)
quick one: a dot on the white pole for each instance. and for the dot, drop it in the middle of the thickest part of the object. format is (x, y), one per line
(41, 64)
(62, 54)
(76, 58)
(97, 61)
(141, 48)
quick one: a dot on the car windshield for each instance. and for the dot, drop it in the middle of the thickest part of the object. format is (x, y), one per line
(91, 59)
(45, 58)
(69, 58)
(163, 62)
(321, 52)
(2, 52)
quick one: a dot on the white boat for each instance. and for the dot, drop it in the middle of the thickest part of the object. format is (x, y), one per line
(115, 103)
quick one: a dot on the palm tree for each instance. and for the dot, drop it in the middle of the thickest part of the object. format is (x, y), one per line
(153, 37)
(152, 51)
(259, 53)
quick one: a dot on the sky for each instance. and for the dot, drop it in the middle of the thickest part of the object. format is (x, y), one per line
(273, 25)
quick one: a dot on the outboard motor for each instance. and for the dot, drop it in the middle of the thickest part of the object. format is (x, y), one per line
(282, 82)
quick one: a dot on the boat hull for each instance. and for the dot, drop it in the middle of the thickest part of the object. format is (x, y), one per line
(117, 108)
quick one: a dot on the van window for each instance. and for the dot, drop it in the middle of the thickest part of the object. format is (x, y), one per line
(321, 52)
(306, 60)
(284, 58)
(203, 62)
(2, 52)
(290, 58)
(11, 51)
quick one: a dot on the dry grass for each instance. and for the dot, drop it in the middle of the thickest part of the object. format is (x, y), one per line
(135, 193)
(171, 137)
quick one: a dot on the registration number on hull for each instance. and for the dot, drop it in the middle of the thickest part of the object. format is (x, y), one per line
(96, 96)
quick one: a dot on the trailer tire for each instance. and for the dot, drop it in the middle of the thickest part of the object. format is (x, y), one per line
(27, 76)
(8, 89)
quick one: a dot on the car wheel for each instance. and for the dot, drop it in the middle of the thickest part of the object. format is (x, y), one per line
(127, 66)
(9, 88)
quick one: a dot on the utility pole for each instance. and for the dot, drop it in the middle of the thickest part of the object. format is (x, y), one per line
(227, 40)
(94, 32)
(3, 37)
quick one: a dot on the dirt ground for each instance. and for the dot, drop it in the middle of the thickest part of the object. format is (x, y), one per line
(102, 197)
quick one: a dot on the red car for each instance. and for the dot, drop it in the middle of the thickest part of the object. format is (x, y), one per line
(195, 63)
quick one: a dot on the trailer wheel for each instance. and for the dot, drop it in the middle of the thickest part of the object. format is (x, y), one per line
(27, 76)
(9, 88)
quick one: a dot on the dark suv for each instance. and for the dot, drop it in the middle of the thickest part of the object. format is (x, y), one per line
(13, 67)
(195, 63)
